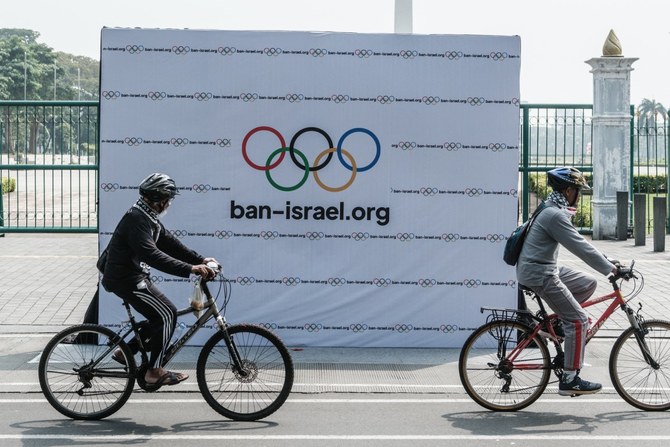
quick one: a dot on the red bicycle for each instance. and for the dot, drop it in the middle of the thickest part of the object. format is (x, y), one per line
(505, 365)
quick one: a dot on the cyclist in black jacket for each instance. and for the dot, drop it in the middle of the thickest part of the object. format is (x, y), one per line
(139, 242)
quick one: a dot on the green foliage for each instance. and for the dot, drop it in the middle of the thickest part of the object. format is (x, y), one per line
(8, 184)
(27, 68)
(649, 184)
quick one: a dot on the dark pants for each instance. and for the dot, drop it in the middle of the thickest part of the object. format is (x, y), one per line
(160, 313)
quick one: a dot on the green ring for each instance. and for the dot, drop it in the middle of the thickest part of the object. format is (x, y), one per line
(277, 185)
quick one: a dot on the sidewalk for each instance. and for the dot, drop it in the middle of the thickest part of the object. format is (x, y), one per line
(47, 282)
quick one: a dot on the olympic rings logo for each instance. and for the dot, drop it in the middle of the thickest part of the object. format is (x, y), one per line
(497, 147)
(201, 188)
(318, 52)
(302, 163)
(179, 233)
(452, 55)
(363, 53)
(452, 146)
(223, 234)
(157, 279)
(269, 235)
(179, 142)
(474, 192)
(358, 327)
(404, 237)
(449, 328)
(226, 51)
(495, 237)
(472, 283)
(407, 145)
(249, 97)
(272, 326)
(314, 235)
(428, 191)
(450, 237)
(403, 328)
(180, 49)
(223, 142)
(132, 141)
(338, 99)
(513, 192)
(427, 282)
(272, 51)
(358, 236)
(134, 49)
(336, 282)
(294, 97)
(498, 56)
(203, 96)
(291, 281)
(312, 327)
(384, 99)
(431, 100)
(245, 280)
(109, 187)
(110, 95)
(409, 54)
(515, 101)
(381, 282)
(476, 101)
(511, 283)
(157, 96)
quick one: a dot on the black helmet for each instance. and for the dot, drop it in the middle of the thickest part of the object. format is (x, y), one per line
(562, 178)
(158, 187)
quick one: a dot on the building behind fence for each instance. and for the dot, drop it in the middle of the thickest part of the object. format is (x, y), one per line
(49, 161)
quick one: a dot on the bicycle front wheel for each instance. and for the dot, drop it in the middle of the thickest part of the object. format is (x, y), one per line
(78, 376)
(499, 373)
(259, 386)
(643, 382)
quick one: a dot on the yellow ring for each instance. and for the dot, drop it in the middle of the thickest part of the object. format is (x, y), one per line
(353, 171)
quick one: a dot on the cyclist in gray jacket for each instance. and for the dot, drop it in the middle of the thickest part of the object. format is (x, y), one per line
(563, 288)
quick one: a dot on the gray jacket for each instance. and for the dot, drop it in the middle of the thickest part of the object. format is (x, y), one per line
(540, 250)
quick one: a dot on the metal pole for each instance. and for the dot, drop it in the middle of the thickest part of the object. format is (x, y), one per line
(54, 81)
(659, 223)
(640, 216)
(25, 75)
(403, 16)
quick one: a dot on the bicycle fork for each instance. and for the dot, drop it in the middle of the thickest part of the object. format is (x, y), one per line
(640, 334)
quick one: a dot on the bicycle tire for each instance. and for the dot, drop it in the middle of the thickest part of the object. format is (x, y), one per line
(494, 382)
(79, 393)
(637, 382)
(269, 370)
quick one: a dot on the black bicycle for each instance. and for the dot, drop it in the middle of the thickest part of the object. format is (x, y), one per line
(244, 371)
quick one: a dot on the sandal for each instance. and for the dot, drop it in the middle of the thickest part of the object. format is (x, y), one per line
(169, 378)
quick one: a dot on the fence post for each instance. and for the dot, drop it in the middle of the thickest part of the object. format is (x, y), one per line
(622, 215)
(640, 215)
(659, 223)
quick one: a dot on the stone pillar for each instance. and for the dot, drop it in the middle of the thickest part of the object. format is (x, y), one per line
(403, 16)
(611, 134)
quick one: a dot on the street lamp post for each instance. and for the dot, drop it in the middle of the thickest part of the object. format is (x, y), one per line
(25, 74)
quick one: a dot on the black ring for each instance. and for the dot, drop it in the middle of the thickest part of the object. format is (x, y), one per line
(292, 151)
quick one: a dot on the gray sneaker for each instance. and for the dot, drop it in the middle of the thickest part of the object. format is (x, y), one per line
(577, 387)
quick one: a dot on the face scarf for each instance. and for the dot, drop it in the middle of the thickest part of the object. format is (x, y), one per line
(560, 200)
(146, 209)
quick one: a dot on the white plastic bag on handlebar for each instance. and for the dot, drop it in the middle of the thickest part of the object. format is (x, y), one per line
(197, 299)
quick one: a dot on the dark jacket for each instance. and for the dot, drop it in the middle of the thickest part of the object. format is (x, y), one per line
(140, 242)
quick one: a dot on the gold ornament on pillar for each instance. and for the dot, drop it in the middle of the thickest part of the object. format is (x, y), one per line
(612, 46)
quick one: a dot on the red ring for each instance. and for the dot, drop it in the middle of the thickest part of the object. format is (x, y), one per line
(244, 148)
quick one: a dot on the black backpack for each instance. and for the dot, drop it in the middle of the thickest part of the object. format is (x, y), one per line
(515, 241)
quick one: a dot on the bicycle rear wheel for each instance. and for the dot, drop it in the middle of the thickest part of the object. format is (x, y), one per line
(264, 382)
(81, 380)
(642, 385)
(493, 379)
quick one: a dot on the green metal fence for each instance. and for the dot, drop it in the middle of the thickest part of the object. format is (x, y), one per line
(49, 156)
(560, 135)
(49, 160)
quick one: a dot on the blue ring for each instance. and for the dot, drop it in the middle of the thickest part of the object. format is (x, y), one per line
(377, 143)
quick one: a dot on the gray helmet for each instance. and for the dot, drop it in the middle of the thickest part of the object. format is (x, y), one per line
(158, 187)
(562, 178)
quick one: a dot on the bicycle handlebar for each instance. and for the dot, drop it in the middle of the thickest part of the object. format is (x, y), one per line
(625, 273)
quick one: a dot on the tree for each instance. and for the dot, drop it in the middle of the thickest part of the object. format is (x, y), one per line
(648, 112)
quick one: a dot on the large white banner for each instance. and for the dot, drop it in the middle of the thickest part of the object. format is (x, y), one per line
(357, 188)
